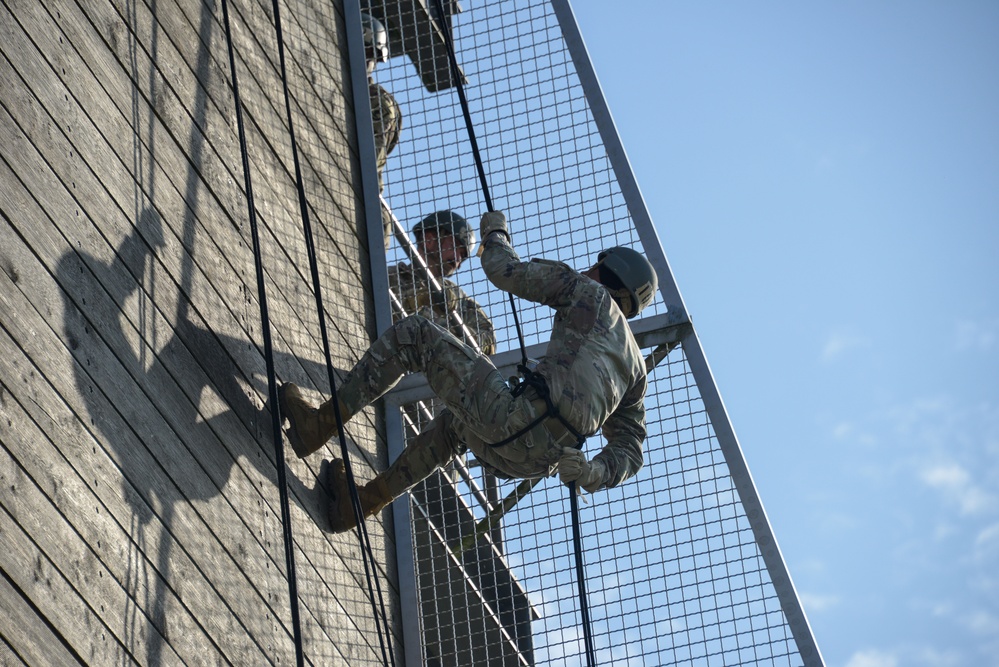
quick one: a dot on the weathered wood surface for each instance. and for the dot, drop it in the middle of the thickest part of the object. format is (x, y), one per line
(141, 519)
(36, 643)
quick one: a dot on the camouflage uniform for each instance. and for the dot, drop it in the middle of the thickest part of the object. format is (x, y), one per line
(594, 370)
(417, 297)
(386, 119)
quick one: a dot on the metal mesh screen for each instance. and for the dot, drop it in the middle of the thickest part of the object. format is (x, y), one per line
(674, 572)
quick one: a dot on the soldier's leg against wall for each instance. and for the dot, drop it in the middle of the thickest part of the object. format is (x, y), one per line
(434, 447)
(412, 344)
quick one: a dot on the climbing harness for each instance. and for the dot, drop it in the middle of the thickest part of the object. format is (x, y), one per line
(496, 514)
(370, 564)
(268, 354)
(530, 378)
(537, 382)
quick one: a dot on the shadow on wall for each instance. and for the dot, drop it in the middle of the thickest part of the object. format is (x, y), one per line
(178, 419)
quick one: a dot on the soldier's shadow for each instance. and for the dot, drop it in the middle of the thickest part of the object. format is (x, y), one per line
(180, 421)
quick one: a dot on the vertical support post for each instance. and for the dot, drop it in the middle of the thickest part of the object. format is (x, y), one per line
(412, 653)
(720, 422)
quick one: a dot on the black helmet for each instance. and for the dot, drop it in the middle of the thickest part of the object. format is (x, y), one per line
(637, 278)
(448, 222)
(375, 38)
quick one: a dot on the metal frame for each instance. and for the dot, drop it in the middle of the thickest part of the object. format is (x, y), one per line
(649, 332)
(720, 422)
(675, 325)
(394, 434)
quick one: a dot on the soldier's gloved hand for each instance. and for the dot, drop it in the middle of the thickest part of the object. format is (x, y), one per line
(493, 221)
(573, 467)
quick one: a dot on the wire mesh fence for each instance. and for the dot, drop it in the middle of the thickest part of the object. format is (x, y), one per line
(673, 567)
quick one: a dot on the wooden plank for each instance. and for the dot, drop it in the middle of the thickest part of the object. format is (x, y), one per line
(171, 204)
(260, 58)
(124, 130)
(122, 288)
(171, 109)
(253, 27)
(8, 656)
(310, 78)
(211, 533)
(51, 507)
(95, 143)
(198, 338)
(265, 132)
(32, 572)
(87, 353)
(78, 130)
(28, 636)
(180, 529)
(97, 238)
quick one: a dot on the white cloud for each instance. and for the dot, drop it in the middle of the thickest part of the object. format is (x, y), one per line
(849, 431)
(951, 475)
(872, 658)
(988, 537)
(839, 343)
(925, 656)
(982, 622)
(942, 609)
(814, 604)
(976, 335)
(955, 483)
(932, 657)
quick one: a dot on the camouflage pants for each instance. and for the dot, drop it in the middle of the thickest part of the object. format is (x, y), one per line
(480, 406)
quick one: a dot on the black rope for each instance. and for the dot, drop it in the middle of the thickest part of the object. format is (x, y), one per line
(456, 76)
(584, 608)
(289, 552)
(552, 409)
(370, 564)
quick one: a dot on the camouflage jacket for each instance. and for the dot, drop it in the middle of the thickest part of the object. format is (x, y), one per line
(386, 119)
(417, 298)
(594, 368)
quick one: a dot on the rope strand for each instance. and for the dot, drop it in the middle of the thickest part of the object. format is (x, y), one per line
(268, 355)
(370, 564)
(577, 540)
(456, 76)
(584, 608)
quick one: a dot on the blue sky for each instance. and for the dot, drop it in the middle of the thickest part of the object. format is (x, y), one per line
(825, 180)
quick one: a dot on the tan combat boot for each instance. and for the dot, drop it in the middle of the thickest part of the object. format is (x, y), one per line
(374, 496)
(310, 427)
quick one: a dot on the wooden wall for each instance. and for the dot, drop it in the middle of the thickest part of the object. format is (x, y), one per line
(140, 513)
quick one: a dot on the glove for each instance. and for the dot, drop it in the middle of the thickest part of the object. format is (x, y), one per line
(493, 221)
(573, 467)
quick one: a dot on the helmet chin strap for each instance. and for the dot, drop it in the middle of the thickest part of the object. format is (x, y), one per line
(623, 300)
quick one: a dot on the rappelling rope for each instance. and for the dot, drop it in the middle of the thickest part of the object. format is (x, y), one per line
(584, 609)
(268, 355)
(370, 564)
(529, 376)
(456, 75)
(276, 417)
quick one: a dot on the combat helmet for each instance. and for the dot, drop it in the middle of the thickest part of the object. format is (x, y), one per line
(375, 39)
(448, 222)
(636, 279)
